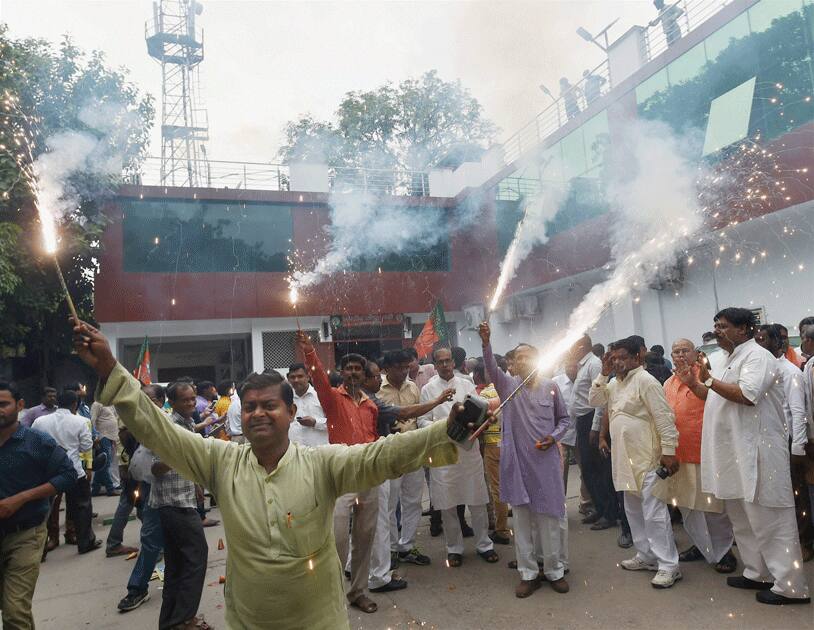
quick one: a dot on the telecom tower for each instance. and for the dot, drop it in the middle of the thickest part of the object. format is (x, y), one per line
(173, 39)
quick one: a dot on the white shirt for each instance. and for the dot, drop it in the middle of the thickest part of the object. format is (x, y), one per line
(744, 449)
(717, 360)
(794, 405)
(588, 368)
(71, 432)
(461, 483)
(566, 386)
(308, 405)
(233, 416)
(808, 385)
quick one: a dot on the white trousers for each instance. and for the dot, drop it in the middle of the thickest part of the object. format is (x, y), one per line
(538, 537)
(769, 545)
(408, 489)
(650, 526)
(380, 573)
(452, 529)
(711, 532)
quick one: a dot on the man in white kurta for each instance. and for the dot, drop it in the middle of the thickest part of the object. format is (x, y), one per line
(745, 462)
(643, 437)
(462, 483)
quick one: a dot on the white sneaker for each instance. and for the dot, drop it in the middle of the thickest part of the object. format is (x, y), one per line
(665, 579)
(637, 564)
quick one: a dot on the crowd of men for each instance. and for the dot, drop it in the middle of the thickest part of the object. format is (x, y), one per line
(722, 442)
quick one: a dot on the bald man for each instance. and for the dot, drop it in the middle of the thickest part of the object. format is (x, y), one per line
(707, 526)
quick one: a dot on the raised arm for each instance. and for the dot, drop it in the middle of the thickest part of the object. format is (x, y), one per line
(503, 382)
(795, 397)
(186, 452)
(319, 378)
(356, 468)
(414, 411)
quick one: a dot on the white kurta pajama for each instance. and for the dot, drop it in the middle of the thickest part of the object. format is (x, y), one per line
(642, 428)
(462, 483)
(745, 462)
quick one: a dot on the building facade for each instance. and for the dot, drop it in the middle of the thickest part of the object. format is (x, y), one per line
(202, 272)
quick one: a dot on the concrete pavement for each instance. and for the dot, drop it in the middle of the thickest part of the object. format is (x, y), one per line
(82, 591)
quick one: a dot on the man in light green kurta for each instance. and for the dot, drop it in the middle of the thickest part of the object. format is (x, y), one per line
(276, 498)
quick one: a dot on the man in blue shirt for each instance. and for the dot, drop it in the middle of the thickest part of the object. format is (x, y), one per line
(32, 469)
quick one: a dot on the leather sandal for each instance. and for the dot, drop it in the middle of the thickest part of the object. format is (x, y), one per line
(454, 559)
(490, 556)
(365, 604)
(727, 564)
(690, 555)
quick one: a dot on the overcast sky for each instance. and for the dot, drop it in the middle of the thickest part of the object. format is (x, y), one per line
(268, 62)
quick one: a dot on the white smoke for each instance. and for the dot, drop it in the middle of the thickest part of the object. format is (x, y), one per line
(530, 232)
(654, 198)
(96, 152)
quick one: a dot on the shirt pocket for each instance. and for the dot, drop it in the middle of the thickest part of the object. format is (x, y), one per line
(546, 409)
(304, 533)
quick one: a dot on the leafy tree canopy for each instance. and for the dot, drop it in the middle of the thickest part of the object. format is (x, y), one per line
(46, 89)
(411, 126)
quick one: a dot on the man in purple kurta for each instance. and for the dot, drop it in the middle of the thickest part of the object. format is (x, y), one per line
(530, 468)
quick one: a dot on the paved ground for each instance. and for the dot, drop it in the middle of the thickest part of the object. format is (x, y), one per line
(82, 591)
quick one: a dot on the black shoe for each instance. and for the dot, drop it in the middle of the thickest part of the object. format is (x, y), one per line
(395, 584)
(93, 546)
(394, 560)
(591, 518)
(739, 581)
(770, 597)
(347, 575)
(436, 530)
(414, 556)
(625, 541)
(691, 554)
(603, 523)
(133, 601)
(467, 531)
(500, 539)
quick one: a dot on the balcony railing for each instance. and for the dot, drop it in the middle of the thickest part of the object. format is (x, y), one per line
(277, 177)
(599, 81)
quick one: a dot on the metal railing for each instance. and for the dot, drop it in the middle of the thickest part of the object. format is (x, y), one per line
(598, 81)
(277, 177)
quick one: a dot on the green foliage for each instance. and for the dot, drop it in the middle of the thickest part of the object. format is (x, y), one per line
(410, 126)
(57, 89)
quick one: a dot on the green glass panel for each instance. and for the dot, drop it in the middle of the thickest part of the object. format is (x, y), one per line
(199, 237)
(687, 66)
(765, 12)
(507, 216)
(729, 117)
(573, 154)
(551, 165)
(722, 38)
(651, 86)
(596, 137)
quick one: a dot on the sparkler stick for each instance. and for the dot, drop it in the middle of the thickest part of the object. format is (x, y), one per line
(68, 298)
(293, 295)
(486, 423)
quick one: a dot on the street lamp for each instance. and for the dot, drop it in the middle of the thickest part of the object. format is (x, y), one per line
(584, 34)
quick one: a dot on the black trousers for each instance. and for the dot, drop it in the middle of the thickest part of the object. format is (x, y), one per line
(185, 558)
(78, 508)
(596, 471)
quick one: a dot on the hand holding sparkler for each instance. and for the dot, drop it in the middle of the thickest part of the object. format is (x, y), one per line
(93, 348)
(485, 332)
(304, 342)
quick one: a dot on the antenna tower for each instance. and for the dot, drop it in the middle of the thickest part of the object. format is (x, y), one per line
(174, 40)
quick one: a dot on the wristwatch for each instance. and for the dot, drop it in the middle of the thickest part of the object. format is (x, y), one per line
(708, 383)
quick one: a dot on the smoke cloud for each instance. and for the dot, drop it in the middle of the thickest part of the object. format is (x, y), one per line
(652, 186)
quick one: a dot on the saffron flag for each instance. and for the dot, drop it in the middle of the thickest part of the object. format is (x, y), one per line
(142, 371)
(434, 331)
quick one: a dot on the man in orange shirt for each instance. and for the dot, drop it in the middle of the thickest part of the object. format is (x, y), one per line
(704, 521)
(352, 419)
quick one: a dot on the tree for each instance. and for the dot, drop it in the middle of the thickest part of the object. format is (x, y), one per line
(409, 126)
(45, 90)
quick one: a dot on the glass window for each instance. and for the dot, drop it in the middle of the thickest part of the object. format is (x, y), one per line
(507, 216)
(651, 86)
(729, 117)
(205, 236)
(722, 38)
(573, 154)
(596, 137)
(764, 13)
(687, 66)
(551, 166)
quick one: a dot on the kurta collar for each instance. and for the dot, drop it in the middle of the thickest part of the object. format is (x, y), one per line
(632, 372)
(289, 453)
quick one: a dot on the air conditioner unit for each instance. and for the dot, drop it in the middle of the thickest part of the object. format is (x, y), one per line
(507, 312)
(325, 333)
(528, 306)
(671, 277)
(760, 314)
(408, 327)
(474, 315)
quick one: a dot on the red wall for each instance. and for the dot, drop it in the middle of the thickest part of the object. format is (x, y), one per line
(145, 296)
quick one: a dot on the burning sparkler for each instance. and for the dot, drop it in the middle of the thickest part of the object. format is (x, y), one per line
(293, 296)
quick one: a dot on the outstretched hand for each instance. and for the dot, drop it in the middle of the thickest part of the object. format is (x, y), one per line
(304, 341)
(93, 348)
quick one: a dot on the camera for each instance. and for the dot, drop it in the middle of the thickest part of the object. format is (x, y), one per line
(474, 412)
(663, 472)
